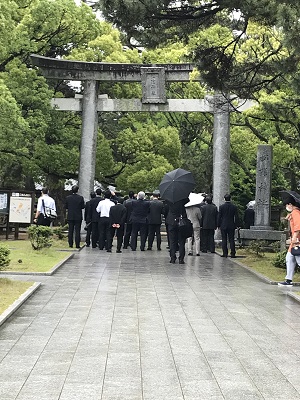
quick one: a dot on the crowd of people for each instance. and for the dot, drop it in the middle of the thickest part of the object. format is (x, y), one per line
(107, 215)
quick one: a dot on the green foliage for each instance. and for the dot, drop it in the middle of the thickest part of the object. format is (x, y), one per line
(279, 260)
(60, 232)
(257, 247)
(40, 236)
(4, 257)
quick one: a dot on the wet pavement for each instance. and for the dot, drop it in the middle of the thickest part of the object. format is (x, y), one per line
(132, 326)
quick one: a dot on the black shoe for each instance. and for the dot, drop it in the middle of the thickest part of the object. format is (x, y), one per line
(77, 247)
(190, 254)
(172, 261)
(119, 251)
(158, 249)
(181, 262)
(94, 247)
(167, 247)
(124, 247)
(198, 254)
(87, 245)
(204, 251)
(108, 251)
(149, 248)
(142, 249)
(233, 256)
(223, 255)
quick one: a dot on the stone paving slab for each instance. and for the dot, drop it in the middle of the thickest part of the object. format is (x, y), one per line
(133, 326)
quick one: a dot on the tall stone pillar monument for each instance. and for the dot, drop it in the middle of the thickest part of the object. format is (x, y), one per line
(263, 188)
(89, 133)
(221, 148)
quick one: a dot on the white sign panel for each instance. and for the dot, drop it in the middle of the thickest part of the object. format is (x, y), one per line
(20, 209)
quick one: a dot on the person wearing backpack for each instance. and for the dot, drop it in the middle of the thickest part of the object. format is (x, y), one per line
(44, 201)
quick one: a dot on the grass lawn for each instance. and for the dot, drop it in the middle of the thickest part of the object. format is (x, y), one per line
(10, 291)
(263, 265)
(25, 259)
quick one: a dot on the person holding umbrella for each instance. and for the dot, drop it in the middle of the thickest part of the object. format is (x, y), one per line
(292, 206)
(175, 188)
(175, 211)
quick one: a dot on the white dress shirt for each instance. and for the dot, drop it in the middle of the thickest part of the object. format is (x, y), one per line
(48, 201)
(104, 206)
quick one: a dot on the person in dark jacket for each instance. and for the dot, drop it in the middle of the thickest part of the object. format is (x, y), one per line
(154, 221)
(128, 229)
(209, 225)
(228, 221)
(117, 218)
(87, 218)
(249, 216)
(177, 241)
(74, 206)
(94, 217)
(140, 211)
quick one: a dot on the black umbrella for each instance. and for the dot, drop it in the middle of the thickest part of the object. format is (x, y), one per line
(176, 185)
(286, 194)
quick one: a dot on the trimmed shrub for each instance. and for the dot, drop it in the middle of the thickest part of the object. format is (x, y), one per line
(40, 236)
(279, 260)
(4, 257)
(257, 247)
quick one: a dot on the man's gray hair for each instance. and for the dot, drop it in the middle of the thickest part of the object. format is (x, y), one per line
(141, 195)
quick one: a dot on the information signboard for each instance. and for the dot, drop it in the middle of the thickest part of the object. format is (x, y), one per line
(4, 196)
(20, 208)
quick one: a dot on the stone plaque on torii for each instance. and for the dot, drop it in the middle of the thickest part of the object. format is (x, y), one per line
(153, 79)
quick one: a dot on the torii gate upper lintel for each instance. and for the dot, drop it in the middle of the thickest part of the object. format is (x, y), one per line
(153, 78)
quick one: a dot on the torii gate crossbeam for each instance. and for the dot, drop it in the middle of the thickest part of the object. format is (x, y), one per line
(153, 78)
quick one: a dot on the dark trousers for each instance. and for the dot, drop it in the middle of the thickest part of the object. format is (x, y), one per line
(74, 227)
(119, 232)
(127, 234)
(95, 234)
(228, 233)
(208, 239)
(154, 230)
(103, 233)
(88, 234)
(136, 228)
(176, 242)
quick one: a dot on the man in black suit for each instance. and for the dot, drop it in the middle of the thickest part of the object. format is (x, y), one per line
(140, 210)
(87, 219)
(154, 221)
(128, 206)
(228, 221)
(209, 223)
(74, 205)
(94, 217)
(117, 218)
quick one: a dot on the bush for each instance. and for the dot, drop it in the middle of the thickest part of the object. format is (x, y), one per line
(4, 257)
(40, 236)
(59, 231)
(279, 260)
(257, 247)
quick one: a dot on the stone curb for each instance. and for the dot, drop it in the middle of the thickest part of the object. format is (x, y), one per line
(259, 275)
(17, 303)
(294, 296)
(49, 273)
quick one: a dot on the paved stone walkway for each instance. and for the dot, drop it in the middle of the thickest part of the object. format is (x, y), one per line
(132, 326)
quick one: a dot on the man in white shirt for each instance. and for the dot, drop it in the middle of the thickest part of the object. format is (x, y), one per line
(103, 209)
(44, 201)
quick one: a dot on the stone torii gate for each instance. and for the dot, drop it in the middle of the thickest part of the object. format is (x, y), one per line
(153, 79)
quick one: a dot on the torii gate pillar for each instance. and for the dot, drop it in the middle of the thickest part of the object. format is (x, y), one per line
(221, 148)
(89, 131)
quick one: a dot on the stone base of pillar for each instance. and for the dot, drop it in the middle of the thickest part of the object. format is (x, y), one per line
(261, 228)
